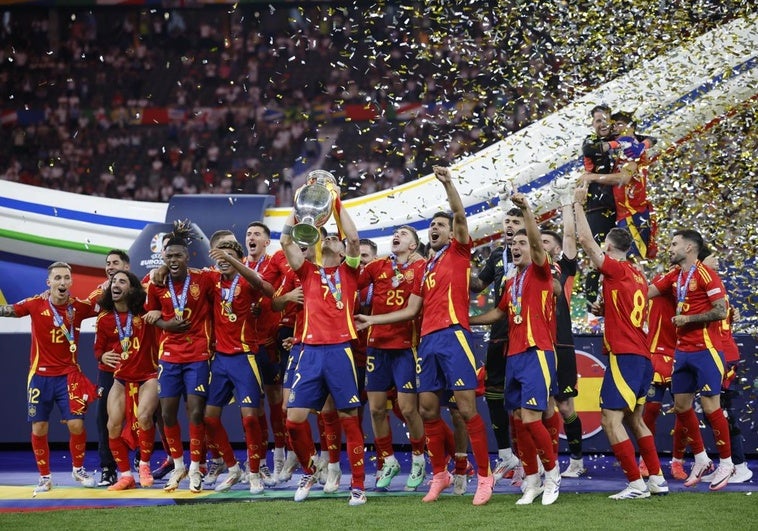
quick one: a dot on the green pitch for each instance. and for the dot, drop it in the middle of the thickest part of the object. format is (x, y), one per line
(685, 511)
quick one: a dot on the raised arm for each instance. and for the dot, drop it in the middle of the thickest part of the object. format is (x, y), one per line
(245, 272)
(353, 242)
(569, 232)
(460, 225)
(532, 230)
(583, 231)
(294, 255)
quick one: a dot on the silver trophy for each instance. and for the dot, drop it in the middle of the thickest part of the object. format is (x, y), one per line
(313, 206)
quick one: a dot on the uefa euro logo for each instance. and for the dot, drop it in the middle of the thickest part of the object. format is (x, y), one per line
(155, 243)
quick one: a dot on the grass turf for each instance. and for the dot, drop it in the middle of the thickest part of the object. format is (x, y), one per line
(686, 511)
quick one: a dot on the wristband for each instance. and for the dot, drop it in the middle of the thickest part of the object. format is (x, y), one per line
(287, 230)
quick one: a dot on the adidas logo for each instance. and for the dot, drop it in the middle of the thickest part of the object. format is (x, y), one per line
(568, 389)
(408, 385)
(531, 402)
(200, 388)
(706, 387)
(247, 400)
(354, 400)
(459, 382)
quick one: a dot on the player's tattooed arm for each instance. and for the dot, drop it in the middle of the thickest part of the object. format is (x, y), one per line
(6, 310)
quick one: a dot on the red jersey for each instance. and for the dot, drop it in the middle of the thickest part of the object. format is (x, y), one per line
(625, 296)
(289, 314)
(139, 362)
(534, 326)
(661, 332)
(324, 323)
(632, 197)
(51, 349)
(234, 334)
(272, 270)
(444, 288)
(194, 344)
(93, 298)
(699, 288)
(391, 284)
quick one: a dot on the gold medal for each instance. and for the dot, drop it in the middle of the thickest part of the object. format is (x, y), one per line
(517, 319)
(232, 317)
(72, 348)
(124, 356)
(340, 305)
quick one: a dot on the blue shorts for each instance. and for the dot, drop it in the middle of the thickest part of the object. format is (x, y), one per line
(324, 370)
(446, 361)
(528, 379)
(656, 392)
(388, 368)
(235, 376)
(44, 392)
(178, 379)
(268, 364)
(698, 372)
(626, 382)
(292, 360)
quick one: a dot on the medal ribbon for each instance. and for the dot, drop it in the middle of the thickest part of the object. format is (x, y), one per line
(398, 272)
(517, 290)
(227, 297)
(180, 302)
(125, 333)
(336, 286)
(681, 290)
(431, 264)
(58, 321)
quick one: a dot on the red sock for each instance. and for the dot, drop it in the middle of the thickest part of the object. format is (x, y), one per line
(448, 437)
(477, 434)
(277, 424)
(253, 442)
(527, 450)
(146, 443)
(417, 446)
(302, 443)
(164, 440)
(680, 441)
(333, 433)
(649, 454)
(219, 439)
(41, 454)
(436, 447)
(553, 426)
(542, 442)
(323, 442)
(384, 446)
(77, 444)
(624, 452)
(691, 430)
(650, 415)
(197, 440)
(720, 429)
(263, 423)
(514, 436)
(174, 440)
(355, 452)
(120, 453)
